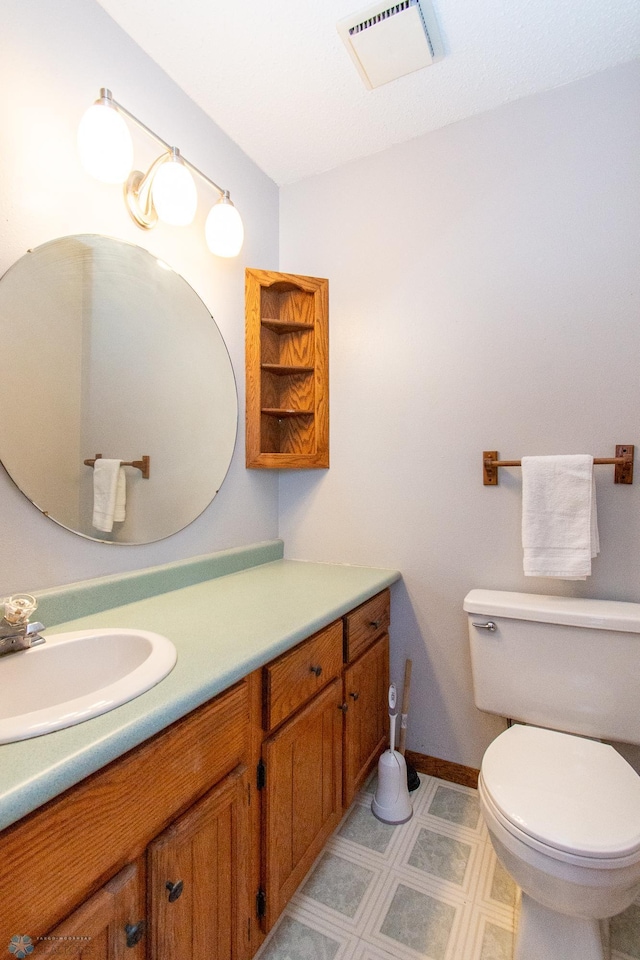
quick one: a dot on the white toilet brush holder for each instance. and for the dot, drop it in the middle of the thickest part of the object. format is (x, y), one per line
(391, 803)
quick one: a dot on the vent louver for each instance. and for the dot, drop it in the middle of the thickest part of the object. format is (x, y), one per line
(387, 42)
(390, 12)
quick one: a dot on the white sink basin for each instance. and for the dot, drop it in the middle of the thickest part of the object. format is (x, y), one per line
(75, 676)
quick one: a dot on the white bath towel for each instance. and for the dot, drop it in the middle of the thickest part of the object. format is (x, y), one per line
(109, 494)
(559, 518)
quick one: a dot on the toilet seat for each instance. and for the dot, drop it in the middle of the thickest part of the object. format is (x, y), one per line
(577, 800)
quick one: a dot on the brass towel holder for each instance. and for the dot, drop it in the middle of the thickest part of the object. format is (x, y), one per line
(623, 462)
(142, 465)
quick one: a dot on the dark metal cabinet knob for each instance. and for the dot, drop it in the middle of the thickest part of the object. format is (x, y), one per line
(135, 933)
(316, 670)
(375, 623)
(175, 890)
(354, 695)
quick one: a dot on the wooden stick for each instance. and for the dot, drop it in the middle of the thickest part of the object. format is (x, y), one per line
(405, 706)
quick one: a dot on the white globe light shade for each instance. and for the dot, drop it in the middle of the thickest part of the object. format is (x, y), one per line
(174, 194)
(223, 229)
(104, 144)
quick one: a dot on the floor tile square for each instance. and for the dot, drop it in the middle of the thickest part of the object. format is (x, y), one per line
(338, 884)
(363, 828)
(292, 940)
(419, 921)
(497, 943)
(440, 856)
(455, 806)
(487, 938)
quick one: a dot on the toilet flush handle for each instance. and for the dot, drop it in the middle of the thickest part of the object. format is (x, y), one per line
(489, 625)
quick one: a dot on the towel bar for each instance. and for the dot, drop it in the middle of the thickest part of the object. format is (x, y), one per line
(623, 462)
(142, 465)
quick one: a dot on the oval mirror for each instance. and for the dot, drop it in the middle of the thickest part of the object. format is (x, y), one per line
(107, 351)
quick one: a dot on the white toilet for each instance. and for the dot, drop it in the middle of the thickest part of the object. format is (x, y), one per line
(562, 808)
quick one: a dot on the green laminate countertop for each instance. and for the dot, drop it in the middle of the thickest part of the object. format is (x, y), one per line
(222, 628)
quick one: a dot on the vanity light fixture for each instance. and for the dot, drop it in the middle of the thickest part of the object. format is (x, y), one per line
(167, 190)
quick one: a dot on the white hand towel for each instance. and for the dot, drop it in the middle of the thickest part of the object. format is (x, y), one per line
(119, 510)
(109, 492)
(559, 518)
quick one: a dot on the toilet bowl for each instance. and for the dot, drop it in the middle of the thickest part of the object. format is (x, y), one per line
(563, 814)
(562, 808)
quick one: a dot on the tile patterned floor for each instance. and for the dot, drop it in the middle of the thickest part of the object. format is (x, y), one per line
(430, 889)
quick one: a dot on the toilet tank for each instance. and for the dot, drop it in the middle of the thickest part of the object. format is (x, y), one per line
(560, 662)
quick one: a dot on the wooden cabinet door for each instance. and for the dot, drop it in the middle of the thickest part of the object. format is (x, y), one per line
(199, 904)
(366, 728)
(109, 926)
(302, 795)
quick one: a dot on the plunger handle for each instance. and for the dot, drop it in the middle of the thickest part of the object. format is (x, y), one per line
(405, 706)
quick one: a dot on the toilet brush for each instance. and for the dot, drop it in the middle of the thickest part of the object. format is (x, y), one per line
(413, 780)
(391, 803)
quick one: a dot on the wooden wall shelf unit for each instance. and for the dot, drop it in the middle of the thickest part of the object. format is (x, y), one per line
(287, 366)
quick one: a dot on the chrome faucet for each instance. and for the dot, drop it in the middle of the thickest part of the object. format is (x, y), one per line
(16, 633)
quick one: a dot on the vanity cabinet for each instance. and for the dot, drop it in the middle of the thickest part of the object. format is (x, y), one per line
(287, 370)
(191, 844)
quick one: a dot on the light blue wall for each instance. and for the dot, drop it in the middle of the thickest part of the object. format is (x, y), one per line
(54, 57)
(484, 294)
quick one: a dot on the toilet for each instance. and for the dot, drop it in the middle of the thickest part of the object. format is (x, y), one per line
(562, 807)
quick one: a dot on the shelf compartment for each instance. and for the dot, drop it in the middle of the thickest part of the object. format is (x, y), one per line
(287, 371)
(285, 326)
(287, 434)
(280, 412)
(284, 370)
(291, 391)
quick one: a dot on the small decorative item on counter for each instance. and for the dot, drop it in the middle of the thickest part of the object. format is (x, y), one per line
(19, 607)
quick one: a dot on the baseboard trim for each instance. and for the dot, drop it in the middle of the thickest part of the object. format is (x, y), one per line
(444, 769)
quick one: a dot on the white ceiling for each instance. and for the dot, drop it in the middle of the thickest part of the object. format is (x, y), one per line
(276, 77)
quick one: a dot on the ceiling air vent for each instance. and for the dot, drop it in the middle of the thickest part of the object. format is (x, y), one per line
(386, 42)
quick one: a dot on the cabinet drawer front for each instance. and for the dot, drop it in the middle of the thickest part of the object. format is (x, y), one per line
(296, 676)
(366, 623)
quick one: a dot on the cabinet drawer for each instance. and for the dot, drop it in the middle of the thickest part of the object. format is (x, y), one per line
(364, 624)
(296, 676)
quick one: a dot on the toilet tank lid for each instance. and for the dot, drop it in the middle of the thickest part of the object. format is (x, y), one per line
(572, 611)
